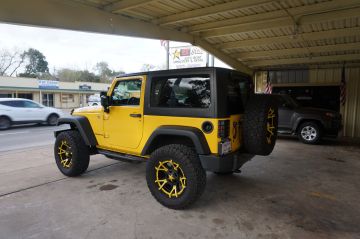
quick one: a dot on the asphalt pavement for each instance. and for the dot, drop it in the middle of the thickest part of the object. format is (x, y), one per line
(299, 191)
(27, 136)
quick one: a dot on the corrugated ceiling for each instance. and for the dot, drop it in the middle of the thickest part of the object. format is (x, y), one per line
(271, 31)
(256, 34)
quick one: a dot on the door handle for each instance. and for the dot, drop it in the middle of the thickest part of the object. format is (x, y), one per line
(135, 115)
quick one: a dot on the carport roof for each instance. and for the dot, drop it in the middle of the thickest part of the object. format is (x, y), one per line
(256, 34)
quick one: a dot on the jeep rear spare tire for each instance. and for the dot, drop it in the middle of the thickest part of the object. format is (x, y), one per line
(260, 124)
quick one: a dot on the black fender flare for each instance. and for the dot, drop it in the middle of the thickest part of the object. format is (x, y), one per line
(81, 124)
(194, 134)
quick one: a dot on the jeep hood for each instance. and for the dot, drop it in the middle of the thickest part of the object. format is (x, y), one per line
(89, 109)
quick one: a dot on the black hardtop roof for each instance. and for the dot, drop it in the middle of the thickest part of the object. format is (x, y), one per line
(183, 70)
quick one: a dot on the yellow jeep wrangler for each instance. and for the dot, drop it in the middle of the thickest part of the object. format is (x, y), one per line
(180, 122)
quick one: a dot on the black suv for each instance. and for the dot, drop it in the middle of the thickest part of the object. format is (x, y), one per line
(309, 124)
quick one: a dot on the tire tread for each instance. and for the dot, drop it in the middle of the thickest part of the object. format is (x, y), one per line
(191, 161)
(81, 162)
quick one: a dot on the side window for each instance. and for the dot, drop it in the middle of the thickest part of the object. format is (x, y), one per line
(15, 103)
(181, 92)
(29, 104)
(126, 92)
(6, 103)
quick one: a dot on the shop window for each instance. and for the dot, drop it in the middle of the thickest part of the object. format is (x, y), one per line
(28, 96)
(5, 95)
(67, 98)
(48, 99)
(290, 76)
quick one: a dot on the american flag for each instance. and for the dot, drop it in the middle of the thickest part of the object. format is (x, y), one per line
(268, 87)
(343, 87)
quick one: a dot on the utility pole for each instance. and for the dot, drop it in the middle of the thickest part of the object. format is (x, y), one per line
(212, 60)
(167, 46)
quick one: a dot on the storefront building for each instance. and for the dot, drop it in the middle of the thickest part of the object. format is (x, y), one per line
(63, 95)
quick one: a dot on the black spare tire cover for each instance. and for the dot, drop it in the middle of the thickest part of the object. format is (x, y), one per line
(260, 124)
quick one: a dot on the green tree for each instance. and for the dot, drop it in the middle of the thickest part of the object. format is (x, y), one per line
(36, 63)
(88, 76)
(105, 73)
(70, 75)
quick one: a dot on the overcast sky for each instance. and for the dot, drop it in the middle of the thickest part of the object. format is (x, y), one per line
(80, 50)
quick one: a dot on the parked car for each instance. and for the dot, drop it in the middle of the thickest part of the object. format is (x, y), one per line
(15, 111)
(309, 124)
(94, 100)
(93, 103)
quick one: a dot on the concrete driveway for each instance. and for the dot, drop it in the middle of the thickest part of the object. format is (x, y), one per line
(300, 191)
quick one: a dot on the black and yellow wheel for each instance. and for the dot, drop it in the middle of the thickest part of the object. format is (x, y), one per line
(71, 154)
(175, 176)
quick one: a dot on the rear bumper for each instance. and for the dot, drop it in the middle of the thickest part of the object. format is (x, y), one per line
(225, 163)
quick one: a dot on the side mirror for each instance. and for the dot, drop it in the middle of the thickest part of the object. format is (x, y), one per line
(105, 101)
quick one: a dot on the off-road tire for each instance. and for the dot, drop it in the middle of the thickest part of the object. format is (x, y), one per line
(80, 153)
(52, 119)
(255, 124)
(5, 123)
(189, 162)
(315, 127)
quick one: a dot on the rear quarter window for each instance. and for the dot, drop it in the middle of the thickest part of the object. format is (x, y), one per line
(238, 92)
(17, 104)
(191, 91)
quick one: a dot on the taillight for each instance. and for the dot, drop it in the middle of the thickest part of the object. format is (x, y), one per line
(224, 128)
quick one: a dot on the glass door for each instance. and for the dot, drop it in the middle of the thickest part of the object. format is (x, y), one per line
(48, 99)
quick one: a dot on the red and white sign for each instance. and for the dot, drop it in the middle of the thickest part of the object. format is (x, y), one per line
(187, 57)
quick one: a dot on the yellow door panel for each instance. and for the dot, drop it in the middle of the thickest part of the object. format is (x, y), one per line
(123, 125)
(121, 129)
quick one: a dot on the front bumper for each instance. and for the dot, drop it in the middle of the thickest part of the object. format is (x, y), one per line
(225, 163)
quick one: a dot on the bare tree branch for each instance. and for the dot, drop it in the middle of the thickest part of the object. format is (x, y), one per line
(10, 62)
(22, 59)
